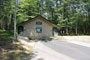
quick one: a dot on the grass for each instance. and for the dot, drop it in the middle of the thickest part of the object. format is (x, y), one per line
(10, 51)
(6, 35)
(15, 52)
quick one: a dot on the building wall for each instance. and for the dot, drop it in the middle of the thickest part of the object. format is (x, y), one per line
(30, 30)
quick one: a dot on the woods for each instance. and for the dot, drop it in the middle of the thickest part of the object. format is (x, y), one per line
(70, 16)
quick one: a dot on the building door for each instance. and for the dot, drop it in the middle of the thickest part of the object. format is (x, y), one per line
(54, 32)
(21, 30)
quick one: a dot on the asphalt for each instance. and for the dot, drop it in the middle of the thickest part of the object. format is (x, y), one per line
(42, 52)
(77, 52)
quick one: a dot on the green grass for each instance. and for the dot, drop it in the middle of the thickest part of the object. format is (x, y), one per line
(6, 35)
(10, 51)
(15, 52)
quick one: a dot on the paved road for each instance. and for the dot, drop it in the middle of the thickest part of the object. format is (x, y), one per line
(42, 52)
(74, 51)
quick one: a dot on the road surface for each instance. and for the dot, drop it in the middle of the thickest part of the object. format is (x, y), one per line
(74, 51)
(42, 52)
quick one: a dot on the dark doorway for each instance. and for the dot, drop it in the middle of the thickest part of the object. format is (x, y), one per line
(20, 30)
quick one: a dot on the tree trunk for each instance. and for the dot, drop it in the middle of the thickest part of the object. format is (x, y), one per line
(67, 31)
(76, 30)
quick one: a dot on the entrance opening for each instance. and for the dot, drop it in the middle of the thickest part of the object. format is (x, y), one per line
(21, 30)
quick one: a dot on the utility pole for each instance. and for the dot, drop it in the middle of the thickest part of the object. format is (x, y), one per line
(15, 21)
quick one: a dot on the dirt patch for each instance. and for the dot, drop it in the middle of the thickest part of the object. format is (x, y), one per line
(85, 39)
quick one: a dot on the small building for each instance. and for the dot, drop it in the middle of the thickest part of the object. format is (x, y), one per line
(37, 28)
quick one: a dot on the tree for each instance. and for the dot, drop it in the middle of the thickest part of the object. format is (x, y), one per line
(71, 16)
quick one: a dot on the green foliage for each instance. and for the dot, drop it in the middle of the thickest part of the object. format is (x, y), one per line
(27, 10)
(72, 15)
(6, 35)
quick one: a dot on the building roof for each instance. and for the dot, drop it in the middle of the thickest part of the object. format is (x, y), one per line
(41, 18)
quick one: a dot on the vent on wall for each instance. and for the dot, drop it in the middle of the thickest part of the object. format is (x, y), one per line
(38, 23)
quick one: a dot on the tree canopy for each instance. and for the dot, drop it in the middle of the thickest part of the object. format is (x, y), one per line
(71, 16)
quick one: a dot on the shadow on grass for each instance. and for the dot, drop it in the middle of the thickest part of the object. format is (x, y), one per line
(9, 51)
